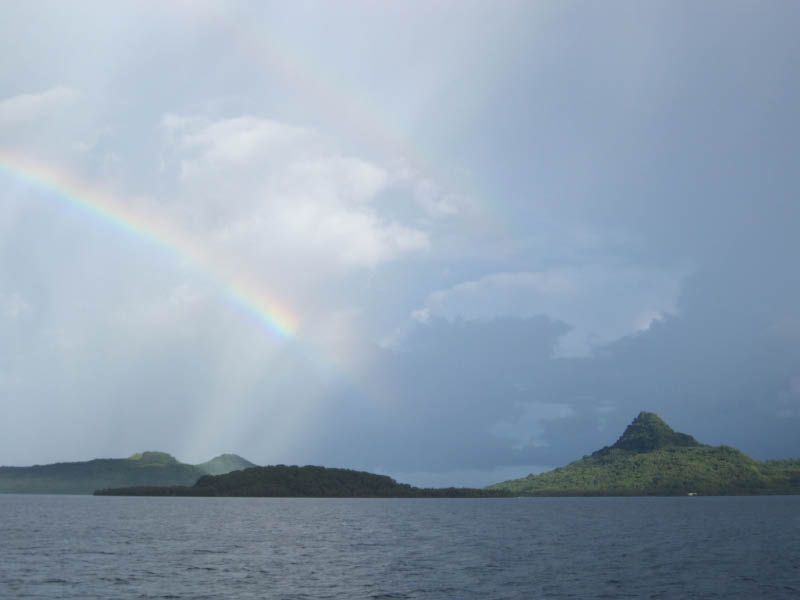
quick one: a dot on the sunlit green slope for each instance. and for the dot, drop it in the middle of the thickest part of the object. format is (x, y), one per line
(652, 459)
(224, 463)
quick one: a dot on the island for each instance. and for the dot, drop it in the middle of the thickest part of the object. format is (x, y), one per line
(282, 481)
(651, 459)
(143, 468)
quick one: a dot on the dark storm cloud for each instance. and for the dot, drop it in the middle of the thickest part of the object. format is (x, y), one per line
(727, 370)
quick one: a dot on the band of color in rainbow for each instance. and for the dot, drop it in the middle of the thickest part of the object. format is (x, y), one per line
(245, 292)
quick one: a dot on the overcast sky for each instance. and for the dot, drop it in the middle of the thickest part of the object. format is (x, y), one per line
(453, 242)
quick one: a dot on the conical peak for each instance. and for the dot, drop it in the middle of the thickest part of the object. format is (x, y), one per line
(649, 432)
(650, 419)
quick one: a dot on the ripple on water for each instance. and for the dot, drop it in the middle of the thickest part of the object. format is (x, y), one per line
(664, 548)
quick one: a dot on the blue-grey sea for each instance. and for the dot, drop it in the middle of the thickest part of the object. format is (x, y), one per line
(111, 547)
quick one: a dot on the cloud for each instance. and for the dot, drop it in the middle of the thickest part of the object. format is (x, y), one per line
(54, 124)
(526, 429)
(435, 202)
(281, 191)
(558, 230)
(722, 368)
(108, 328)
(13, 306)
(430, 403)
(25, 109)
(589, 298)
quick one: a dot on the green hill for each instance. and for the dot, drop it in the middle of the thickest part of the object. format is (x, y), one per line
(224, 463)
(302, 482)
(145, 468)
(650, 458)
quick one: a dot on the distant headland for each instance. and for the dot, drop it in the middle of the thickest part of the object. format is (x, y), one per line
(144, 468)
(651, 459)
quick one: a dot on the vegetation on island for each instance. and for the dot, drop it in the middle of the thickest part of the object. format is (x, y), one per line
(302, 482)
(144, 468)
(650, 458)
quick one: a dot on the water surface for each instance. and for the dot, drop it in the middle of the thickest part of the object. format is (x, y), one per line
(116, 547)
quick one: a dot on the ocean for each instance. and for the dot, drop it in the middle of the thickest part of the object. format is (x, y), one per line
(232, 548)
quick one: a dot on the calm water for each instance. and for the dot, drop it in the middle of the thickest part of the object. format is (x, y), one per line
(87, 547)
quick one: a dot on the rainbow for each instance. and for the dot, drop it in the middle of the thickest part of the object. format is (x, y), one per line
(243, 291)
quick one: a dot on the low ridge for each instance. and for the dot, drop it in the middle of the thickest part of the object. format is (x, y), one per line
(143, 468)
(153, 458)
(302, 482)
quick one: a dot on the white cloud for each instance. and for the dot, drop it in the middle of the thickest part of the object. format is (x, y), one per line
(23, 109)
(282, 194)
(435, 202)
(600, 303)
(208, 147)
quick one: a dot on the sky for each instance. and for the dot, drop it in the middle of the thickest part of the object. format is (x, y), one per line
(452, 242)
